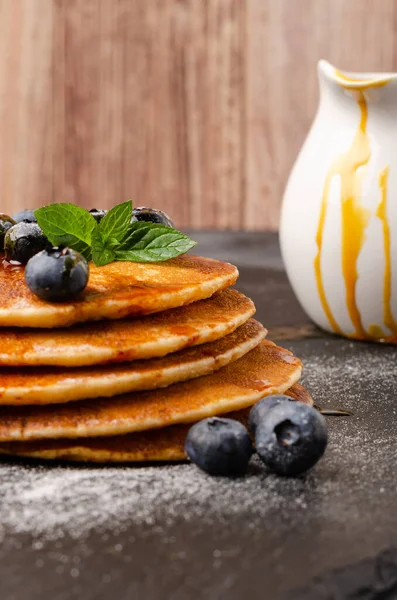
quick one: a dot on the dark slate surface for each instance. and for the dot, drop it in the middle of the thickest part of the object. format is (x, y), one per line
(329, 535)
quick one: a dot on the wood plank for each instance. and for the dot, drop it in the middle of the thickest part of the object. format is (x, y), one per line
(184, 109)
(60, 192)
(285, 39)
(81, 96)
(26, 161)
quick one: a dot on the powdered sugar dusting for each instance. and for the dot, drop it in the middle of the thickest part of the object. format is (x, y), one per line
(49, 501)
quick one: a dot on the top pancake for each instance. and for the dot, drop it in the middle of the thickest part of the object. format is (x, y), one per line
(116, 290)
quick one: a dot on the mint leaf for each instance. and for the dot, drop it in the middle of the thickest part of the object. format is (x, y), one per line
(101, 253)
(67, 225)
(114, 237)
(150, 242)
(115, 223)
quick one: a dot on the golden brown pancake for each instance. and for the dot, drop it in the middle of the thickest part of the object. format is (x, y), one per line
(265, 370)
(51, 385)
(126, 339)
(115, 291)
(165, 444)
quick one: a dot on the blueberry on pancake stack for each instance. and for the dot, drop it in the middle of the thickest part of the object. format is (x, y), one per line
(114, 341)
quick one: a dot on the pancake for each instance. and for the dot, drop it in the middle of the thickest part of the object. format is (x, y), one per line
(265, 370)
(115, 291)
(165, 444)
(49, 385)
(126, 339)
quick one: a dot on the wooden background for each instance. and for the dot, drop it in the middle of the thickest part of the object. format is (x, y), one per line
(195, 106)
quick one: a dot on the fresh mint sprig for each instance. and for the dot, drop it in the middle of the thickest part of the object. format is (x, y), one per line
(114, 238)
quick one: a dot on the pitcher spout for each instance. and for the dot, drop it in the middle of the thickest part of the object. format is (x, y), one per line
(353, 80)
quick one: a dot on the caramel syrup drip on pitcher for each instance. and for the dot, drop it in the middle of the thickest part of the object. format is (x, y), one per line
(382, 214)
(355, 219)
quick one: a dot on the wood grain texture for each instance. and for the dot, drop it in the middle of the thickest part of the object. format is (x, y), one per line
(183, 138)
(197, 107)
(26, 159)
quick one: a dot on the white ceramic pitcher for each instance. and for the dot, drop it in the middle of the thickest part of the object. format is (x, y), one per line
(338, 226)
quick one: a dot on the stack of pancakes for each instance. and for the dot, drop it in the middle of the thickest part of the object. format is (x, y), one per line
(121, 373)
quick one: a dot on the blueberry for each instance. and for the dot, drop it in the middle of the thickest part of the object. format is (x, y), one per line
(151, 215)
(219, 446)
(25, 215)
(259, 410)
(6, 223)
(291, 437)
(57, 274)
(24, 240)
(98, 213)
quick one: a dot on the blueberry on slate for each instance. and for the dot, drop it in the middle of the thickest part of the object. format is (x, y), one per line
(6, 223)
(259, 410)
(24, 240)
(98, 213)
(219, 446)
(24, 215)
(291, 437)
(57, 274)
(151, 215)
